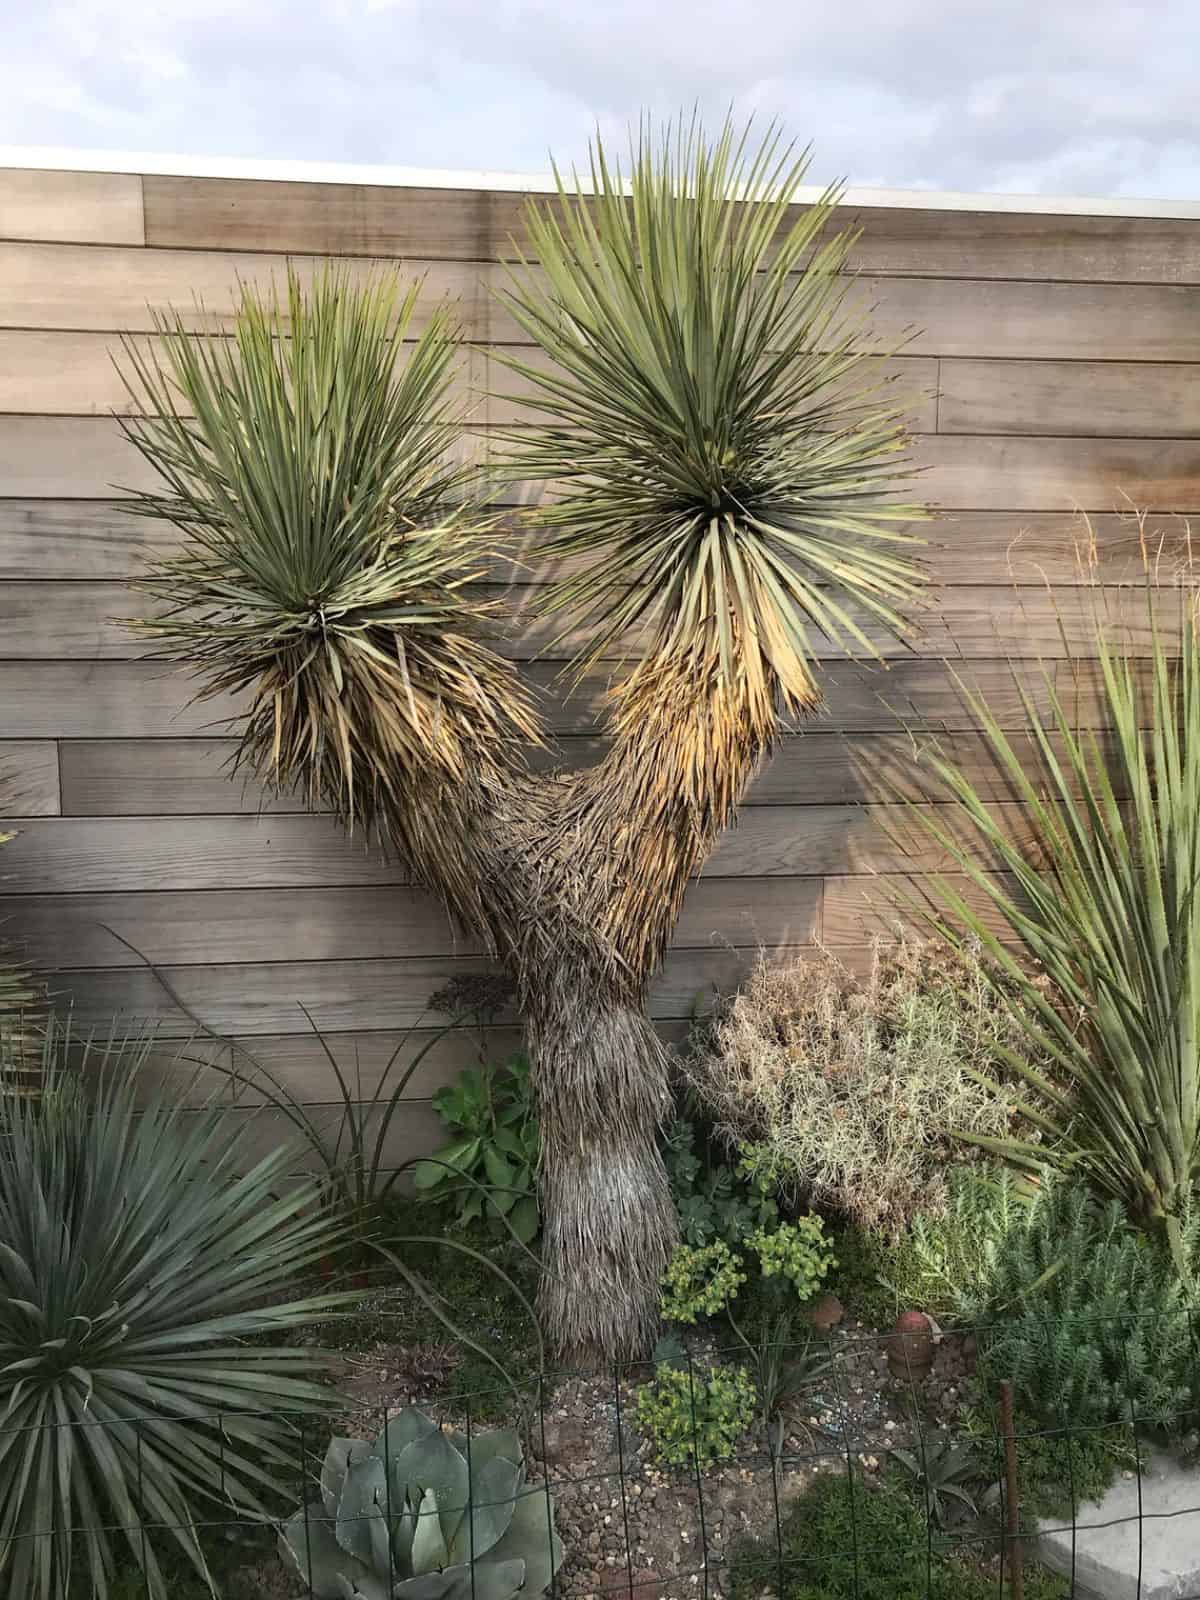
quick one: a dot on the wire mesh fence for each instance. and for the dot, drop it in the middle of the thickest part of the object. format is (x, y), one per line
(883, 1490)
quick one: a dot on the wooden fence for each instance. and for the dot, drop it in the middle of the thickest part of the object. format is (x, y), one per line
(1054, 361)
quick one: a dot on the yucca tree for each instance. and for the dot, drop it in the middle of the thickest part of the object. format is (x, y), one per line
(725, 459)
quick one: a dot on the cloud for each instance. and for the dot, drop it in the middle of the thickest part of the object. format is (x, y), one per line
(1057, 96)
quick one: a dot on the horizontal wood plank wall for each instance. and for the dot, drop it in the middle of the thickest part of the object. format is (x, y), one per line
(1051, 363)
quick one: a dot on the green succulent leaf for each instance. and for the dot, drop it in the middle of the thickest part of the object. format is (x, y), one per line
(494, 1487)
(430, 1551)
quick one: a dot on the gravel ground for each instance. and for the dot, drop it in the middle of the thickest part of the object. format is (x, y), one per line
(666, 1534)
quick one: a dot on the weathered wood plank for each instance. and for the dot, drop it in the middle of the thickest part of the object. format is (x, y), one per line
(475, 224)
(99, 539)
(1085, 398)
(322, 218)
(115, 290)
(187, 927)
(161, 777)
(1018, 475)
(29, 779)
(415, 1130)
(141, 700)
(1033, 321)
(958, 472)
(82, 207)
(56, 373)
(858, 909)
(188, 777)
(89, 619)
(69, 458)
(372, 996)
(90, 458)
(74, 855)
(77, 539)
(105, 699)
(298, 1061)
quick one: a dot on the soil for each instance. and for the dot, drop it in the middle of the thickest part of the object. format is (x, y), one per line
(629, 1525)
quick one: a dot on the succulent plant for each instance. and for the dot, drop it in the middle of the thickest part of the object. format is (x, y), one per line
(424, 1514)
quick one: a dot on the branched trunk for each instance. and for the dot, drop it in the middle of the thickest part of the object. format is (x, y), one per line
(576, 881)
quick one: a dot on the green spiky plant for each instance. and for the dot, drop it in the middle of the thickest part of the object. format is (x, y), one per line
(726, 459)
(148, 1273)
(1100, 895)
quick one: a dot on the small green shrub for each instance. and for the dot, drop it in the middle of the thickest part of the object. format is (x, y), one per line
(1089, 1318)
(694, 1415)
(947, 1264)
(849, 1093)
(488, 1169)
(1059, 1469)
(700, 1282)
(797, 1251)
(713, 1199)
(847, 1539)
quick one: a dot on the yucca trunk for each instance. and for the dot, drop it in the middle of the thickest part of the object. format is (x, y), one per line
(619, 844)
(601, 1080)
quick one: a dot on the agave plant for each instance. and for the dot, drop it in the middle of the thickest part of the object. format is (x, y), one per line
(942, 1472)
(1103, 898)
(147, 1272)
(424, 1514)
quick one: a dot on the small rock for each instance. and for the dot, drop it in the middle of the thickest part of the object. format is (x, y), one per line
(826, 1314)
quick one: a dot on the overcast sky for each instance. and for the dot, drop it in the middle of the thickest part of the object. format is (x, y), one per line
(1089, 97)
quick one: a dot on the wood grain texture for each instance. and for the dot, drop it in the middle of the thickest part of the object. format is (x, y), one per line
(94, 289)
(1084, 398)
(298, 1060)
(77, 539)
(857, 910)
(907, 382)
(1020, 474)
(456, 224)
(90, 619)
(29, 780)
(85, 538)
(143, 700)
(84, 374)
(325, 218)
(188, 777)
(161, 777)
(83, 207)
(120, 290)
(90, 458)
(75, 855)
(110, 699)
(185, 927)
(370, 996)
